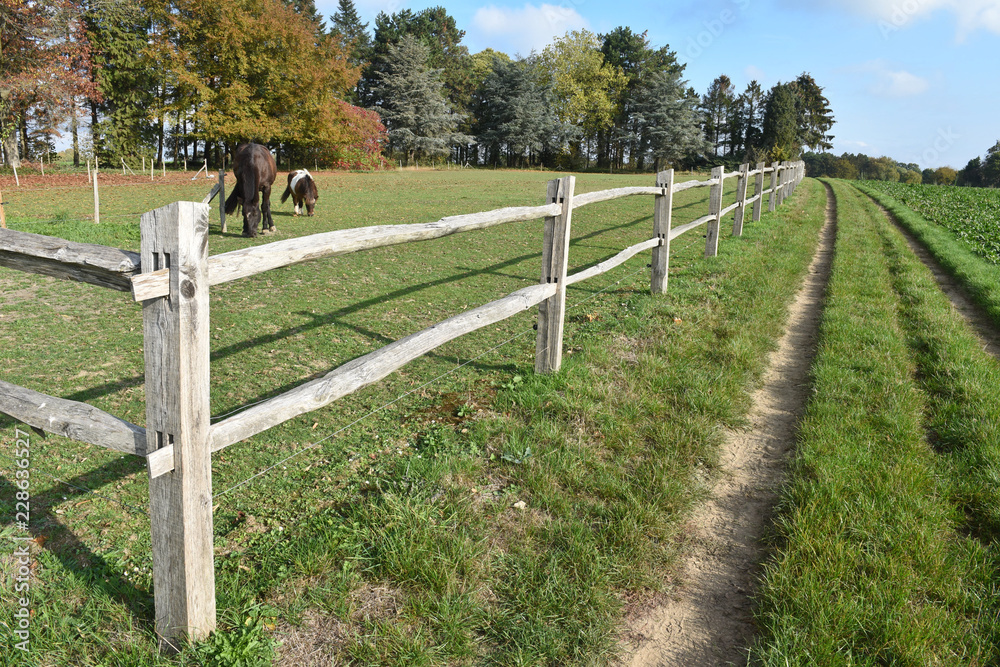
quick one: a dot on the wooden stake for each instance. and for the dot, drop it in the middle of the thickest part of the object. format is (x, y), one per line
(555, 258)
(3, 217)
(741, 199)
(176, 346)
(772, 197)
(758, 191)
(97, 199)
(662, 212)
(16, 179)
(714, 209)
(222, 200)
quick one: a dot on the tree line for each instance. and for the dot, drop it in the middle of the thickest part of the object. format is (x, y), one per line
(979, 172)
(186, 79)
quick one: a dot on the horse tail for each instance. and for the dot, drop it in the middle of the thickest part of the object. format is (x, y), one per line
(286, 193)
(232, 201)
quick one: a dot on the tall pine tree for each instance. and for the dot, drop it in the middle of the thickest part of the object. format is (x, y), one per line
(781, 132)
(347, 27)
(412, 104)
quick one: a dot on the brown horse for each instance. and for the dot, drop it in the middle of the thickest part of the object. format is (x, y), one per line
(302, 188)
(255, 171)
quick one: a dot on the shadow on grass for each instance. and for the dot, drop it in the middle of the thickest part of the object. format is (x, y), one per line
(87, 567)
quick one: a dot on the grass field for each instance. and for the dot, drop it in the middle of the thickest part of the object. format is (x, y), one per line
(886, 543)
(391, 535)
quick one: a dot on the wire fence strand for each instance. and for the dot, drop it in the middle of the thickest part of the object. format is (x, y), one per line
(506, 342)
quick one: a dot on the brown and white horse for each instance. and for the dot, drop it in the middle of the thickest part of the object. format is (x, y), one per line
(255, 170)
(302, 188)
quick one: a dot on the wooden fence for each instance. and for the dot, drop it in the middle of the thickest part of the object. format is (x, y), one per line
(171, 277)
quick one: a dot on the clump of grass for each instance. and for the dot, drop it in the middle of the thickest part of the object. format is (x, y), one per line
(870, 566)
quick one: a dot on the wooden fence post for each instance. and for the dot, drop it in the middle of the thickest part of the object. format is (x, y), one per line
(97, 198)
(741, 199)
(662, 212)
(772, 197)
(555, 258)
(758, 191)
(222, 200)
(176, 346)
(3, 218)
(714, 208)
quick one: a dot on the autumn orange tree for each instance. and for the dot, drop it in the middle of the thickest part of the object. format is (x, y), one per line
(44, 66)
(252, 69)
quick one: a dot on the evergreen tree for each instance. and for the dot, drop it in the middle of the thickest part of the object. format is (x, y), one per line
(439, 33)
(118, 31)
(745, 119)
(353, 34)
(515, 117)
(780, 137)
(814, 116)
(632, 54)
(670, 120)
(411, 101)
(716, 105)
(991, 167)
(972, 175)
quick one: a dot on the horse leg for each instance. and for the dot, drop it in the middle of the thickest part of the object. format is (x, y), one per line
(265, 207)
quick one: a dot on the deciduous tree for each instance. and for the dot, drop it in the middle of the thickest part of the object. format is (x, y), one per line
(585, 86)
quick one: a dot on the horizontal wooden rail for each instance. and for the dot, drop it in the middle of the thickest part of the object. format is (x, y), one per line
(248, 262)
(729, 209)
(612, 262)
(615, 193)
(371, 368)
(680, 229)
(687, 185)
(95, 264)
(71, 419)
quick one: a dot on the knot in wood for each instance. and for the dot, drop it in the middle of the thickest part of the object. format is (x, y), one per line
(187, 289)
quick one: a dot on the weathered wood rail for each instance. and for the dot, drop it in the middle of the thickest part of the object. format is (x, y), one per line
(171, 277)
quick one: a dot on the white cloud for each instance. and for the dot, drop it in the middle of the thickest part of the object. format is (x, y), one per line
(897, 14)
(525, 29)
(893, 83)
(752, 73)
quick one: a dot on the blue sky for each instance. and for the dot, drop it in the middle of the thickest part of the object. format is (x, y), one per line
(916, 80)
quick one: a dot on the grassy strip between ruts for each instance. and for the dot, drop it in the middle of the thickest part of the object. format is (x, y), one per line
(428, 559)
(886, 539)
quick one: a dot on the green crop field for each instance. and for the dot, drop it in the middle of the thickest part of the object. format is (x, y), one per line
(972, 214)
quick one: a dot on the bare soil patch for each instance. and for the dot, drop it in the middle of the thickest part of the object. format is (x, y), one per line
(708, 619)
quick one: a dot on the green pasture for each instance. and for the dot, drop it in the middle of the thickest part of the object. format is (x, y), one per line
(387, 528)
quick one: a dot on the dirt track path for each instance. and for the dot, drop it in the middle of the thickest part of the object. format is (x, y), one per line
(709, 619)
